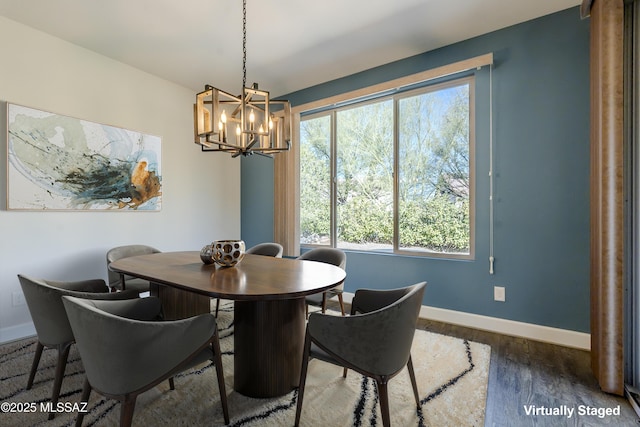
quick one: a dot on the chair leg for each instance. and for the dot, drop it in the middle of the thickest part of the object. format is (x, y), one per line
(122, 285)
(217, 306)
(34, 365)
(303, 377)
(306, 311)
(63, 354)
(220, 374)
(414, 384)
(127, 407)
(383, 396)
(324, 302)
(86, 391)
(172, 385)
(341, 303)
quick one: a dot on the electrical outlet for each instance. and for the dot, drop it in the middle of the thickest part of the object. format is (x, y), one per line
(498, 293)
(17, 298)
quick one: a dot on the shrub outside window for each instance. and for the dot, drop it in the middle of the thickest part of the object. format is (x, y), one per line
(392, 173)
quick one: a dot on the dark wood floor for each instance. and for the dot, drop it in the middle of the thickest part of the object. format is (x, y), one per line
(525, 372)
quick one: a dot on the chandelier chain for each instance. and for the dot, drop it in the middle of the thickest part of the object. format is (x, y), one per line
(244, 43)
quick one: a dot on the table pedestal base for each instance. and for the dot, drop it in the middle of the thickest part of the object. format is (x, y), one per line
(179, 304)
(268, 340)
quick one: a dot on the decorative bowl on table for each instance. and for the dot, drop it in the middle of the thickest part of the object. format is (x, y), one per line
(228, 253)
(206, 254)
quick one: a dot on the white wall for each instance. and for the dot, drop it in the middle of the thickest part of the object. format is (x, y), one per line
(201, 191)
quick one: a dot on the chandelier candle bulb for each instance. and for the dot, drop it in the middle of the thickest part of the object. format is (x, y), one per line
(223, 119)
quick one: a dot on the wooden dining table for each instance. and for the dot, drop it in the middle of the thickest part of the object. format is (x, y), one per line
(269, 307)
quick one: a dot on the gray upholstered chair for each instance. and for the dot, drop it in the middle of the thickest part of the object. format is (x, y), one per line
(44, 299)
(379, 341)
(122, 281)
(266, 249)
(329, 256)
(123, 365)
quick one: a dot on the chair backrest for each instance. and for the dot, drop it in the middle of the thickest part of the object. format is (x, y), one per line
(333, 256)
(379, 342)
(266, 249)
(368, 300)
(128, 354)
(44, 299)
(125, 251)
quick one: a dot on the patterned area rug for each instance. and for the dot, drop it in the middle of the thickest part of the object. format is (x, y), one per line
(451, 374)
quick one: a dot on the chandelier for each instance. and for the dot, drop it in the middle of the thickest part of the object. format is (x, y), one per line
(244, 124)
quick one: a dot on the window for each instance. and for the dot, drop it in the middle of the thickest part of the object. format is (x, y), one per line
(393, 173)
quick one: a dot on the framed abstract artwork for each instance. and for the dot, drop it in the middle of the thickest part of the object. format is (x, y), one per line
(57, 162)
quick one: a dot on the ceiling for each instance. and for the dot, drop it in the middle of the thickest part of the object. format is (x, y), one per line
(291, 44)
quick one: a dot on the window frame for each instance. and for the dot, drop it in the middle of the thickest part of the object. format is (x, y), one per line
(396, 96)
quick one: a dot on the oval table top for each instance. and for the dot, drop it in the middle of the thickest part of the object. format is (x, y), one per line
(256, 277)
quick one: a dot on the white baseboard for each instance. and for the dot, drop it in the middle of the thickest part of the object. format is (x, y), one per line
(557, 336)
(17, 332)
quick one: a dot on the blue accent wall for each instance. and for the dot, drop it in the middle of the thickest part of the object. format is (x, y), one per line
(256, 200)
(541, 179)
